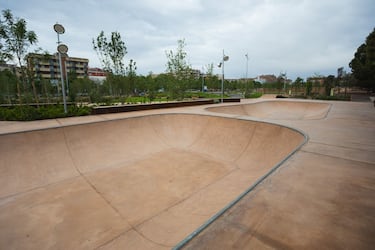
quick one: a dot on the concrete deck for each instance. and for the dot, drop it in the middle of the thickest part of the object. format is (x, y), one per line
(323, 197)
(146, 180)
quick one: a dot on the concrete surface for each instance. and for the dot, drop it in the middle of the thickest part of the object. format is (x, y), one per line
(323, 197)
(146, 180)
(278, 110)
(138, 182)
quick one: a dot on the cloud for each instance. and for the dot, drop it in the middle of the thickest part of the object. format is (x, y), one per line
(293, 36)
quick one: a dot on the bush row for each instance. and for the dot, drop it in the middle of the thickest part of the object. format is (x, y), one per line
(29, 113)
(253, 95)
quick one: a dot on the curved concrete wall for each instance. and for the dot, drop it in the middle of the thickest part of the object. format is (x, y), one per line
(278, 110)
(138, 182)
(36, 158)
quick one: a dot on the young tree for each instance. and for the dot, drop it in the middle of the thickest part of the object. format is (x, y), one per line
(111, 52)
(329, 83)
(298, 83)
(178, 66)
(17, 40)
(177, 63)
(131, 74)
(309, 87)
(280, 83)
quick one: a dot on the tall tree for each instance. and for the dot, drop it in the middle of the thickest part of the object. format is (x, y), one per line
(131, 75)
(177, 62)
(363, 63)
(111, 52)
(8, 83)
(298, 83)
(17, 41)
(178, 66)
(329, 83)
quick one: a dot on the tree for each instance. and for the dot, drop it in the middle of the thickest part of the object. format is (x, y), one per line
(309, 87)
(17, 40)
(111, 52)
(211, 80)
(177, 63)
(298, 83)
(363, 63)
(178, 66)
(280, 84)
(131, 75)
(329, 83)
(8, 83)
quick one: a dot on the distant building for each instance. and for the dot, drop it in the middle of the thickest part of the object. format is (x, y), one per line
(316, 79)
(266, 78)
(11, 67)
(97, 74)
(194, 73)
(249, 79)
(48, 67)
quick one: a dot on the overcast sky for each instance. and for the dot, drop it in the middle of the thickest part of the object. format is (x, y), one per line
(301, 38)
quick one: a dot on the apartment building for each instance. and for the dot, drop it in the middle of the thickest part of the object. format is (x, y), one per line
(47, 66)
(11, 67)
(97, 74)
(266, 78)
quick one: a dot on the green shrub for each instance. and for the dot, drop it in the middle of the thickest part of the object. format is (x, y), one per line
(253, 95)
(333, 98)
(29, 113)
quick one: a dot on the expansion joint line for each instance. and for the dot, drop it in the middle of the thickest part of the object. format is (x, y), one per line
(333, 156)
(106, 201)
(247, 145)
(87, 180)
(128, 230)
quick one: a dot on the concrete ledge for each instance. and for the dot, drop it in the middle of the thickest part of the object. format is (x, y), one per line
(138, 107)
(232, 100)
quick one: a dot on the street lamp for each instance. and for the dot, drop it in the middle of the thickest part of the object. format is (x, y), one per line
(247, 69)
(221, 65)
(247, 64)
(61, 48)
(202, 74)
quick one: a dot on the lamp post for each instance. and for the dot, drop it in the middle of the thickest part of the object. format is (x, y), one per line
(247, 69)
(221, 65)
(61, 48)
(66, 77)
(202, 79)
(247, 64)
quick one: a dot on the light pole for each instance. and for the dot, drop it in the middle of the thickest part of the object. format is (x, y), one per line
(247, 64)
(202, 79)
(221, 65)
(247, 69)
(67, 79)
(61, 48)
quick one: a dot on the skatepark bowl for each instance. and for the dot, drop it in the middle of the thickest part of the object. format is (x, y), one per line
(132, 183)
(278, 110)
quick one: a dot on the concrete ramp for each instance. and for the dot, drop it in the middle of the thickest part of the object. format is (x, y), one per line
(134, 183)
(278, 110)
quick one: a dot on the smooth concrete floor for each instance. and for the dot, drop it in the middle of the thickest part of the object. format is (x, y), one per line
(323, 197)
